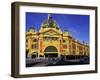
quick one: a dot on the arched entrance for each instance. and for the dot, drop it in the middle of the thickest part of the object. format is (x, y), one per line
(51, 51)
(34, 54)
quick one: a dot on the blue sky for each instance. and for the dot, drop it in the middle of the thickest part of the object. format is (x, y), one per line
(77, 25)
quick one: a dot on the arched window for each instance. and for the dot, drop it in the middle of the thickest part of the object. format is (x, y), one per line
(34, 46)
(34, 40)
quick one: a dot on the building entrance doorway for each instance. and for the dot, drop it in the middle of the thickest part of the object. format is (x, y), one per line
(51, 51)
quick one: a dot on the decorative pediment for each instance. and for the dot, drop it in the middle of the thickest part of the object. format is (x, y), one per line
(51, 32)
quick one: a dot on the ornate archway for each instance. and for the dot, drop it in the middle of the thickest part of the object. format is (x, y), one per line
(51, 51)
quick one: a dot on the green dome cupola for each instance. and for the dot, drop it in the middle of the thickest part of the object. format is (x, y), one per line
(50, 23)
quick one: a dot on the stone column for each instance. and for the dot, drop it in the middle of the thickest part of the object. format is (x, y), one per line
(40, 46)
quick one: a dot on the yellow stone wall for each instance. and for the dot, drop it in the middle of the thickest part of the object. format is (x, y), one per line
(66, 45)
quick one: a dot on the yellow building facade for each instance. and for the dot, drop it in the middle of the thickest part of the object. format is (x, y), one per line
(51, 41)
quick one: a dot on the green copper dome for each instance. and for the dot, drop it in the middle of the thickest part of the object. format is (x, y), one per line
(50, 23)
